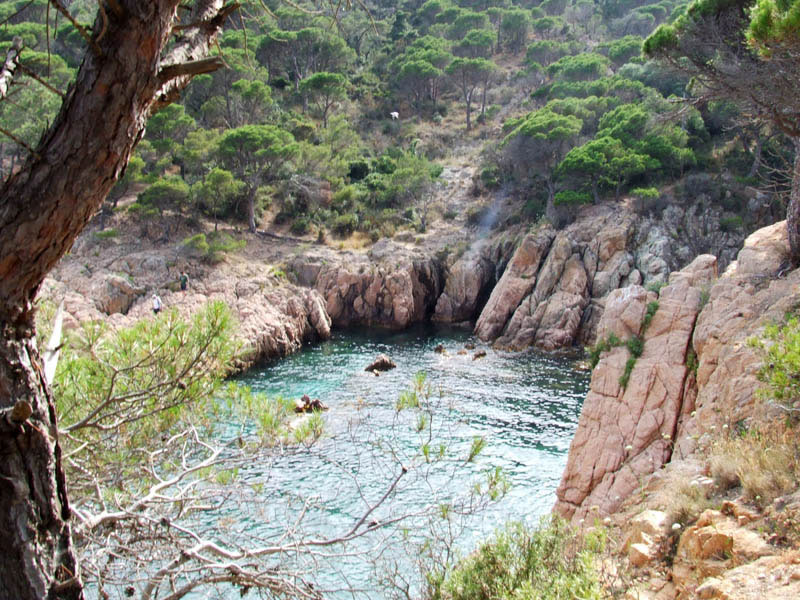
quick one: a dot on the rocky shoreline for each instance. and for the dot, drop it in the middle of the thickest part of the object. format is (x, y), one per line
(606, 276)
(538, 287)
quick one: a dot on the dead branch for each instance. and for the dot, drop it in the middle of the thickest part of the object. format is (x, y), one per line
(80, 28)
(33, 75)
(191, 68)
(10, 66)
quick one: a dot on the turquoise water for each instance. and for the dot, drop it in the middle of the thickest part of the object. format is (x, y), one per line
(525, 406)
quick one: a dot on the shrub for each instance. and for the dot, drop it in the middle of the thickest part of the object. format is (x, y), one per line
(214, 247)
(732, 223)
(358, 170)
(490, 177)
(780, 370)
(650, 312)
(550, 561)
(300, 225)
(571, 197)
(344, 225)
(106, 234)
(764, 461)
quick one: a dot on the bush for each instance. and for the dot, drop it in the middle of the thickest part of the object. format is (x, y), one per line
(214, 247)
(300, 225)
(106, 234)
(344, 225)
(732, 223)
(780, 371)
(764, 461)
(550, 561)
(359, 169)
(490, 177)
(572, 198)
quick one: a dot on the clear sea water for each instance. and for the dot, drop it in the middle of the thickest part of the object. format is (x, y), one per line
(524, 405)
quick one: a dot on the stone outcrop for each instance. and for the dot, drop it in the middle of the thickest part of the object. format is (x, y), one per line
(647, 533)
(389, 287)
(553, 291)
(381, 363)
(626, 432)
(517, 282)
(754, 291)
(768, 578)
(470, 280)
(274, 318)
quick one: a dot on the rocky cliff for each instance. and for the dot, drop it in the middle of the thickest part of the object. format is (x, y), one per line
(275, 318)
(537, 287)
(655, 407)
(695, 372)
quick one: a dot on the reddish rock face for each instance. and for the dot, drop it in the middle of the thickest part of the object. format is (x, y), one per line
(625, 433)
(667, 409)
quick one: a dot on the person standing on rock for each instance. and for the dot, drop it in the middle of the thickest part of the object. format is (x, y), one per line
(184, 279)
(157, 304)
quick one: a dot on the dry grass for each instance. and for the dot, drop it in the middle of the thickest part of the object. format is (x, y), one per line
(684, 502)
(764, 461)
(358, 240)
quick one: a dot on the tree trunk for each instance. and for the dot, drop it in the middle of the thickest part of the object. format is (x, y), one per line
(756, 157)
(793, 209)
(38, 561)
(43, 208)
(251, 208)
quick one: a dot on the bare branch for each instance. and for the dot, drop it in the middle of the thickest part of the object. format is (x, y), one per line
(33, 75)
(81, 29)
(10, 66)
(192, 68)
(17, 140)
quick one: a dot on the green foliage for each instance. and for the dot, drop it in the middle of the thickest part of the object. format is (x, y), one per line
(624, 49)
(324, 89)
(612, 341)
(217, 194)
(650, 312)
(626, 374)
(106, 234)
(635, 346)
(514, 28)
(731, 223)
(545, 52)
(213, 247)
(167, 193)
(344, 225)
(780, 370)
(581, 67)
(691, 361)
(572, 198)
(518, 563)
(477, 446)
(138, 383)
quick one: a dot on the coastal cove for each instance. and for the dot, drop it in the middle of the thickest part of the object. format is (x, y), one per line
(524, 405)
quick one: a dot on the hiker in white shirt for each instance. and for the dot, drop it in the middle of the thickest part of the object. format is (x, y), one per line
(157, 304)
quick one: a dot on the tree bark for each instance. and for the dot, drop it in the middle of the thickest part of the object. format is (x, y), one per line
(793, 209)
(43, 208)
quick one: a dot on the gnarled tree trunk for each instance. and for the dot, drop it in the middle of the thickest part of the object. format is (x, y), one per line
(793, 209)
(126, 74)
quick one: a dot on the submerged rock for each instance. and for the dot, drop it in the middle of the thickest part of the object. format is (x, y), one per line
(306, 404)
(381, 363)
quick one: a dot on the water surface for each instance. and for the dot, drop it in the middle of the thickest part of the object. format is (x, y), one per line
(525, 406)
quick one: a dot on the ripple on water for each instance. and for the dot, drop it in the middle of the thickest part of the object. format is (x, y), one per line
(525, 405)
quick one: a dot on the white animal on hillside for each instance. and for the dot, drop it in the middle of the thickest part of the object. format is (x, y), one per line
(394, 115)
